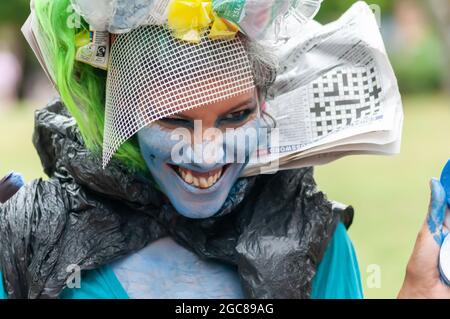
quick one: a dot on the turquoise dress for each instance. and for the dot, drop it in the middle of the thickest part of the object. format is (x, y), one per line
(337, 276)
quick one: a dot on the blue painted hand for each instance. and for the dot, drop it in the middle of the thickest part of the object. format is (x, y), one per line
(436, 217)
(423, 279)
(445, 180)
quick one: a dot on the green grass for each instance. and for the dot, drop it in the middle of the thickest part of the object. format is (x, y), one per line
(390, 194)
(16, 147)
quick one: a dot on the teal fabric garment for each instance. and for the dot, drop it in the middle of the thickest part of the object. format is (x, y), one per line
(337, 277)
(2, 291)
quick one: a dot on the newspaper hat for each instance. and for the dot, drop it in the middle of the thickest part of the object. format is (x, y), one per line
(336, 77)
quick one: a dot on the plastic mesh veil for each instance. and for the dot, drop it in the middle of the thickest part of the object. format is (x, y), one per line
(152, 75)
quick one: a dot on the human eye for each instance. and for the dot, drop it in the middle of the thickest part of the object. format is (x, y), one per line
(238, 116)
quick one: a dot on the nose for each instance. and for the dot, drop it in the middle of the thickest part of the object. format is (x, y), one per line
(204, 130)
(203, 152)
(207, 155)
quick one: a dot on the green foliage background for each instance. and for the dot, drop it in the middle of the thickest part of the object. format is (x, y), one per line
(332, 9)
(14, 11)
(417, 71)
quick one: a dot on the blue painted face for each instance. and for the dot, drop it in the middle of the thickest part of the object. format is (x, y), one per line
(198, 174)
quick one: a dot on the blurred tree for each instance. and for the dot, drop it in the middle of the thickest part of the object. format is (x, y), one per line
(14, 12)
(420, 69)
(12, 16)
(416, 49)
(440, 11)
(332, 9)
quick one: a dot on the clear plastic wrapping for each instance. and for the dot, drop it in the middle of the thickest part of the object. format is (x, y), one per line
(255, 17)
(121, 16)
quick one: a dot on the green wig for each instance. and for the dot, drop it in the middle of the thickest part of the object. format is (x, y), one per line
(81, 86)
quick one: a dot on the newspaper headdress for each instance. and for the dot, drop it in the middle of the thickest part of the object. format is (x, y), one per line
(333, 81)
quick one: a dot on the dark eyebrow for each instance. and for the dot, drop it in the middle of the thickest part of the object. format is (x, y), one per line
(180, 117)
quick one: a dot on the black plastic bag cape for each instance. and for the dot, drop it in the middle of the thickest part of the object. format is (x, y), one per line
(274, 228)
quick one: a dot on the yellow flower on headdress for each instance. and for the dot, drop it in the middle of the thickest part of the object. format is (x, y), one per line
(189, 19)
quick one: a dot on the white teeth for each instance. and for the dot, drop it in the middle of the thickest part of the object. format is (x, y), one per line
(200, 182)
(196, 182)
(219, 174)
(188, 178)
(203, 183)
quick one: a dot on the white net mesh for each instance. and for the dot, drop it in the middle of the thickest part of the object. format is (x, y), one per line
(152, 75)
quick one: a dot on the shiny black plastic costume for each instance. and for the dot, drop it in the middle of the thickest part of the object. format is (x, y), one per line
(274, 228)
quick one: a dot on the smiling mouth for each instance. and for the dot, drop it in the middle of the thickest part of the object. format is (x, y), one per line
(200, 180)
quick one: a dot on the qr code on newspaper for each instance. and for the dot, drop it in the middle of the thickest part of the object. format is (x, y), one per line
(343, 97)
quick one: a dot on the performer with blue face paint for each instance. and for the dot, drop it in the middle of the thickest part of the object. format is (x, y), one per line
(145, 194)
